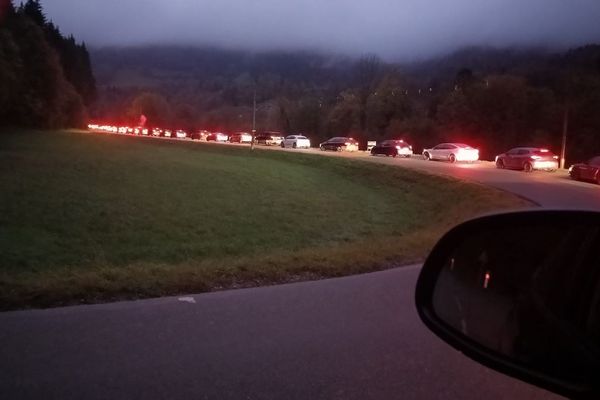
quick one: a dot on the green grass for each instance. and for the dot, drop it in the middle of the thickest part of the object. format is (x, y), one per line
(86, 218)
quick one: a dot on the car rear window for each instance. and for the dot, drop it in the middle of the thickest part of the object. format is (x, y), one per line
(539, 152)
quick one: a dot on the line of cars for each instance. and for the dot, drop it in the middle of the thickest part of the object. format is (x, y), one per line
(268, 138)
(527, 159)
(128, 130)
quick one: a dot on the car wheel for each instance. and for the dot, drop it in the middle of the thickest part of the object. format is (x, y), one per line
(322, 148)
(527, 167)
(500, 164)
(282, 145)
(452, 158)
(293, 145)
(427, 156)
(395, 155)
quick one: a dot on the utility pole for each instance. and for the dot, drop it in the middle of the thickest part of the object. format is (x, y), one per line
(563, 149)
(253, 120)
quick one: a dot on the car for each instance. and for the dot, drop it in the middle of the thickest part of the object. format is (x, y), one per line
(520, 293)
(339, 143)
(452, 152)
(588, 171)
(528, 159)
(217, 137)
(180, 134)
(200, 135)
(392, 148)
(295, 142)
(269, 138)
(240, 137)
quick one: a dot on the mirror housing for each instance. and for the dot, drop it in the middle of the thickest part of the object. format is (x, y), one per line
(520, 293)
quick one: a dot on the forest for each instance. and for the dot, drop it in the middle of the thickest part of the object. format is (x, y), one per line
(492, 98)
(46, 79)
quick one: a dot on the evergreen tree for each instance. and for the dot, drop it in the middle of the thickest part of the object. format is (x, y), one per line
(45, 78)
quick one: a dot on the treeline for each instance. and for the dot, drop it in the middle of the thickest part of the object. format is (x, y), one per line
(492, 98)
(46, 79)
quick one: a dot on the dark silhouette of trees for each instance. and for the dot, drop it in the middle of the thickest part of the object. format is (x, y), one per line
(45, 78)
(495, 99)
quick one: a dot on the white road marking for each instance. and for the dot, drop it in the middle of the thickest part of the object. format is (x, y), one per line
(187, 300)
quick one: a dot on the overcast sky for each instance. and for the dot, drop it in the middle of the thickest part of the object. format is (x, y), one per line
(393, 29)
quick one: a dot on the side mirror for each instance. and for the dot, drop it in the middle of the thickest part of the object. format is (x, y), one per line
(520, 293)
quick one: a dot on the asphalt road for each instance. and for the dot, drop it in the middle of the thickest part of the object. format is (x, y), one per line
(547, 189)
(349, 338)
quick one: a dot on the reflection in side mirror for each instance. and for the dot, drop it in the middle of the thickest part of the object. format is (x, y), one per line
(520, 293)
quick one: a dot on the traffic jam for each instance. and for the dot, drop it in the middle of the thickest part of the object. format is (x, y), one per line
(527, 159)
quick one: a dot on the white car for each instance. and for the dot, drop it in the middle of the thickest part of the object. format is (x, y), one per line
(452, 152)
(180, 134)
(296, 142)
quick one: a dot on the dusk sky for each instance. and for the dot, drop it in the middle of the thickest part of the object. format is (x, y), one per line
(393, 29)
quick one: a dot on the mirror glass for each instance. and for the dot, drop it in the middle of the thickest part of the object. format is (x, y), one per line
(527, 291)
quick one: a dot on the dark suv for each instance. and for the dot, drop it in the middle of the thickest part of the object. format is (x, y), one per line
(269, 138)
(392, 148)
(339, 143)
(528, 159)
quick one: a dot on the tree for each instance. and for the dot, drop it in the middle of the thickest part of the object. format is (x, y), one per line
(387, 102)
(33, 9)
(464, 79)
(35, 89)
(43, 97)
(368, 71)
(153, 106)
(344, 117)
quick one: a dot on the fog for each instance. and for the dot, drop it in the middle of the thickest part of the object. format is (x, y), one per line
(392, 29)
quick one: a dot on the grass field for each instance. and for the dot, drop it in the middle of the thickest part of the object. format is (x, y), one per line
(89, 218)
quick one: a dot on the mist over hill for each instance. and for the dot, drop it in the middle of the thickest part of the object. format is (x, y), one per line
(494, 97)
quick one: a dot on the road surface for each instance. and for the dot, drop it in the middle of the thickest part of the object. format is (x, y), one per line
(349, 338)
(548, 189)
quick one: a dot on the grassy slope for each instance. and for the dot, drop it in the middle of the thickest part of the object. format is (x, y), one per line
(93, 217)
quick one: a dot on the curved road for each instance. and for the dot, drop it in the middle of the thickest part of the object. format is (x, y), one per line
(349, 338)
(549, 190)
